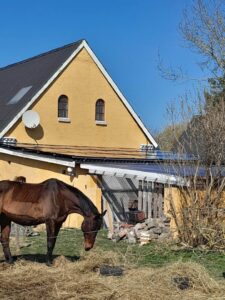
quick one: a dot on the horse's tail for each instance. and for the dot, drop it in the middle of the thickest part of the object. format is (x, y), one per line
(1, 201)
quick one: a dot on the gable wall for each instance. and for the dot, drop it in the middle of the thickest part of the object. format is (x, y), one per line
(83, 83)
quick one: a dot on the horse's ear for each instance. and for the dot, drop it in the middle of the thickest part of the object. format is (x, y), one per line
(100, 215)
(104, 212)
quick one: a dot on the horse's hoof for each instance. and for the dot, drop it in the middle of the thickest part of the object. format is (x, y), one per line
(49, 264)
(10, 261)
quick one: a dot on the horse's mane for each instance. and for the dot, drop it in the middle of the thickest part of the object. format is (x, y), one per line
(86, 204)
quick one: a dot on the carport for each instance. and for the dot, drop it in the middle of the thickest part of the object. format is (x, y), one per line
(124, 184)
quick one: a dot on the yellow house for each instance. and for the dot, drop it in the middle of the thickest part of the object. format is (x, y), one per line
(61, 115)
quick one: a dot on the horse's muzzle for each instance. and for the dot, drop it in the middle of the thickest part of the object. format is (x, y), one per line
(88, 246)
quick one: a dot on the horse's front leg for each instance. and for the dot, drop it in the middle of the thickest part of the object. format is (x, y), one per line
(52, 228)
(5, 232)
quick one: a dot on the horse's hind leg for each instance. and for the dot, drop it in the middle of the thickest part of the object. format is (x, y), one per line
(52, 232)
(5, 232)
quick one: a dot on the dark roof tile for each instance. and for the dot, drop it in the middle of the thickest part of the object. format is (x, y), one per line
(33, 72)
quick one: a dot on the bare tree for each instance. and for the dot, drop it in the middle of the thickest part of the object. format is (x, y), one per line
(169, 136)
(203, 30)
(200, 214)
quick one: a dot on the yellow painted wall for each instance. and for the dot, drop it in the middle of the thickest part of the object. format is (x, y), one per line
(173, 196)
(83, 83)
(36, 172)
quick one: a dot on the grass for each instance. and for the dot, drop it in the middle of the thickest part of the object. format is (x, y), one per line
(70, 244)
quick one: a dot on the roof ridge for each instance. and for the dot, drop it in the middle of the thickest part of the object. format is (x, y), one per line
(42, 54)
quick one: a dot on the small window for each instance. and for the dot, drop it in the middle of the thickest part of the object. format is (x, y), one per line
(63, 107)
(100, 110)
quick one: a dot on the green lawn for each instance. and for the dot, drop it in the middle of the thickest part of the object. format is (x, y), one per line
(70, 244)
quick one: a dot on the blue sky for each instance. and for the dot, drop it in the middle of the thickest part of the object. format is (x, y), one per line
(126, 35)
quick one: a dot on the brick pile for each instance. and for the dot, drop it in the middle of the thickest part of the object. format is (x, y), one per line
(143, 233)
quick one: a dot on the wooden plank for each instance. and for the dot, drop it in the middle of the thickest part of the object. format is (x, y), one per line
(150, 197)
(145, 197)
(140, 195)
(108, 218)
(160, 212)
(155, 202)
(160, 201)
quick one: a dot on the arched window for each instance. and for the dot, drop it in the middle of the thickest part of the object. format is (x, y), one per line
(100, 110)
(63, 107)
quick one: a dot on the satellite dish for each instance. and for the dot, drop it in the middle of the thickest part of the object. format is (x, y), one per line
(31, 119)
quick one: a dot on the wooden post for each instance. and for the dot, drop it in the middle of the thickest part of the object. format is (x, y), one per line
(17, 237)
(145, 198)
(109, 217)
(155, 201)
(140, 195)
(150, 189)
(160, 200)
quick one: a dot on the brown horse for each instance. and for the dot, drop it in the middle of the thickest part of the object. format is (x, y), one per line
(48, 202)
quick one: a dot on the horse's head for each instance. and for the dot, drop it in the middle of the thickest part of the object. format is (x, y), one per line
(90, 227)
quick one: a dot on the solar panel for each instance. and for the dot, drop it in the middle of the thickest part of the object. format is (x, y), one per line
(169, 169)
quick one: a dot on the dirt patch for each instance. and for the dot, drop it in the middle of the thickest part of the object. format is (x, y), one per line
(82, 280)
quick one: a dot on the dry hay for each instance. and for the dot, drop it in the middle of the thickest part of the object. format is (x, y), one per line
(81, 280)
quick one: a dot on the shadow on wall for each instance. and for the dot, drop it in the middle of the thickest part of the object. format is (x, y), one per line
(35, 133)
(118, 192)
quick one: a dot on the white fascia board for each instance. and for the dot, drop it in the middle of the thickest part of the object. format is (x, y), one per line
(39, 157)
(149, 176)
(119, 93)
(45, 86)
